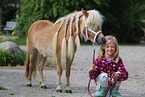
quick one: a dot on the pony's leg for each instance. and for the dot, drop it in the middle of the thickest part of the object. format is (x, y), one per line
(59, 73)
(68, 70)
(40, 68)
(32, 67)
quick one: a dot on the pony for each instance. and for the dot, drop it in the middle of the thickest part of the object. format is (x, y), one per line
(60, 40)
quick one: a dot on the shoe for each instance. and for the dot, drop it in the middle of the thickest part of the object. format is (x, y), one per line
(101, 92)
(115, 92)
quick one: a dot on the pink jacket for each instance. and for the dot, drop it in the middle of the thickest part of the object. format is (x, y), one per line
(102, 65)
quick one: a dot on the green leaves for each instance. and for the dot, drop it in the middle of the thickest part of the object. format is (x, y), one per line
(121, 16)
(12, 59)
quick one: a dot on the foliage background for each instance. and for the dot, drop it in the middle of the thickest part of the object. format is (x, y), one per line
(121, 16)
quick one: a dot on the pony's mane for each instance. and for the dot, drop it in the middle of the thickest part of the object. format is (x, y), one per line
(70, 18)
(94, 20)
(67, 17)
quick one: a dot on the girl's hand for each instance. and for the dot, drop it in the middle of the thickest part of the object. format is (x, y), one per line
(92, 67)
(115, 76)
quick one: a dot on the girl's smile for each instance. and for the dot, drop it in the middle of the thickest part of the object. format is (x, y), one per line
(109, 51)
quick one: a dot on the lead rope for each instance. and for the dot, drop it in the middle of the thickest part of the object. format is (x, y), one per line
(90, 78)
(95, 79)
(110, 85)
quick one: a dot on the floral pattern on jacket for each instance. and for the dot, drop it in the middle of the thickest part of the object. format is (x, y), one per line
(101, 65)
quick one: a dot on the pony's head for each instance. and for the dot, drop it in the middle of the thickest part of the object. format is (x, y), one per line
(91, 28)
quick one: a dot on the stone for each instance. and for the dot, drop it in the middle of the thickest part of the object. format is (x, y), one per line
(10, 47)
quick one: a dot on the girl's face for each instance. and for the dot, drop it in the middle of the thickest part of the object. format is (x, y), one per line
(110, 49)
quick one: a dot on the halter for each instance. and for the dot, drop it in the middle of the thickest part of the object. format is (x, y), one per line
(87, 29)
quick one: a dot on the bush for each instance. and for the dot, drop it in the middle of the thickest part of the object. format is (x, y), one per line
(4, 57)
(12, 59)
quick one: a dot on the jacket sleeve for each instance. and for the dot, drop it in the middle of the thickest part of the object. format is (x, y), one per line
(93, 74)
(122, 74)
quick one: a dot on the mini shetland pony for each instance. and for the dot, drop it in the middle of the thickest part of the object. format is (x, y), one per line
(62, 40)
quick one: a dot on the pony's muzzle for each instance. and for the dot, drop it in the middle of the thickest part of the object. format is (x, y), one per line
(103, 40)
(100, 39)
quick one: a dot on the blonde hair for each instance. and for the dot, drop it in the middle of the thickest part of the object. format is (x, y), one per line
(110, 39)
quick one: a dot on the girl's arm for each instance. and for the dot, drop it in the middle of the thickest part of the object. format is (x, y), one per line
(122, 74)
(93, 73)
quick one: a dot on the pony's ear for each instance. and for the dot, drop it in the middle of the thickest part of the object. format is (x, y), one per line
(85, 13)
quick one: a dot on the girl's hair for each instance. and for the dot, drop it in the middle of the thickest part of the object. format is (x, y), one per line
(110, 39)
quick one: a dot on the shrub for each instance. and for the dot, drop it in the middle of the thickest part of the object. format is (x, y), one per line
(4, 57)
(17, 59)
(12, 59)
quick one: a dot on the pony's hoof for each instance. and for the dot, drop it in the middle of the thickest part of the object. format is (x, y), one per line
(29, 85)
(59, 90)
(68, 91)
(44, 87)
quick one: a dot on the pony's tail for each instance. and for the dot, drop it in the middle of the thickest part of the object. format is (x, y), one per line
(70, 48)
(27, 65)
(35, 65)
(77, 42)
(27, 62)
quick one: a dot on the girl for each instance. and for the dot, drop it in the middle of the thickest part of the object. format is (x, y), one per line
(107, 63)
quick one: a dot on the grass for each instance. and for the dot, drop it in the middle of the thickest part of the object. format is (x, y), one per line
(2, 88)
(21, 40)
(50, 63)
(12, 94)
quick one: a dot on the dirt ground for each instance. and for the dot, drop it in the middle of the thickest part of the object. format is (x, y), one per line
(133, 58)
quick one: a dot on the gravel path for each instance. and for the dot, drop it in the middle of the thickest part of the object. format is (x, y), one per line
(133, 58)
